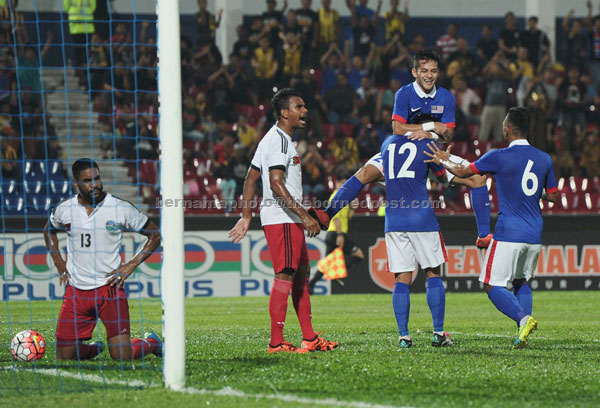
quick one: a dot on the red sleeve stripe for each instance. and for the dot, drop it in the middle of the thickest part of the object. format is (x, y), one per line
(398, 118)
(551, 190)
(474, 168)
(451, 125)
(440, 173)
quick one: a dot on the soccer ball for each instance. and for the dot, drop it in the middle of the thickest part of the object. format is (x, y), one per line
(27, 345)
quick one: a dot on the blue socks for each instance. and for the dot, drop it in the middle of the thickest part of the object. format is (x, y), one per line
(507, 303)
(348, 192)
(436, 299)
(524, 296)
(401, 301)
(480, 201)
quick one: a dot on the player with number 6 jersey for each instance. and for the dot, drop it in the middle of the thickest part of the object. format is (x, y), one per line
(94, 221)
(521, 172)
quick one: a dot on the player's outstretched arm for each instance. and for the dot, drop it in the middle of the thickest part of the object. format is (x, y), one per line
(281, 193)
(241, 227)
(118, 277)
(350, 189)
(51, 240)
(442, 157)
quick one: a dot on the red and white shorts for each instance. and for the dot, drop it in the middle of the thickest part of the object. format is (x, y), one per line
(82, 308)
(287, 246)
(505, 261)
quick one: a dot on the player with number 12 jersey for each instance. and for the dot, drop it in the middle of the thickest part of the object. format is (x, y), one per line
(412, 233)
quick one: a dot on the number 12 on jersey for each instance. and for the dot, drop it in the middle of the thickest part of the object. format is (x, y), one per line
(404, 172)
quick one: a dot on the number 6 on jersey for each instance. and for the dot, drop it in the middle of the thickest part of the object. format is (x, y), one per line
(527, 176)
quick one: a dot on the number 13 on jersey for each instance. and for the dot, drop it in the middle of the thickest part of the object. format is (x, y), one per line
(404, 171)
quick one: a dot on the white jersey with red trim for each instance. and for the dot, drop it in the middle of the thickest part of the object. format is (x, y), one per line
(277, 151)
(94, 241)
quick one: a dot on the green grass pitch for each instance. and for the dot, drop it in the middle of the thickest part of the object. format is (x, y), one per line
(228, 364)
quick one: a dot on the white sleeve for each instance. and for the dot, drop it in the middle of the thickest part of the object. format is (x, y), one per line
(276, 153)
(376, 161)
(133, 219)
(56, 219)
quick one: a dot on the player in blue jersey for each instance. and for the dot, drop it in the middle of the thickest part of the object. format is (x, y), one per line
(521, 172)
(418, 102)
(412, 233)
(423, 97)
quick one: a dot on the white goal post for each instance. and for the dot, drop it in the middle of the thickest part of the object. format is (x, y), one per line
(171, 186)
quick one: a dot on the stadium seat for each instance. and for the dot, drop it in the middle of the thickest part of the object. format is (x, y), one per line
(13, 205)
(34, 187)
(9, 187)
(31, 170)
(51, 169)
(59, 188)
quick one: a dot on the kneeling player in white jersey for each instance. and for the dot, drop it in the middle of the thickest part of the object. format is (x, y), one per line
(94, 221)
(521, 172)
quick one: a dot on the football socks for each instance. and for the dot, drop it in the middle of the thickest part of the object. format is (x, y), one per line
(436, 299)
(480, 201)
(507, 303)
(278, 303)
(401, 302)
(347, 192)
(523, 294)
(301, 300)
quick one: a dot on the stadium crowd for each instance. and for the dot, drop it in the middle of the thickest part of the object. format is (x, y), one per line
(348, 84)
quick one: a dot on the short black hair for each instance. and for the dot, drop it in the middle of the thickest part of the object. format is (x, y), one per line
(281, 100)
(533, 18)
(519, 121)
(422, 118)
(427, 54)
(81, 165)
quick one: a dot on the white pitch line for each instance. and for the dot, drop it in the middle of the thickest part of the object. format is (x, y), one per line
(223, 392)
(504, 336)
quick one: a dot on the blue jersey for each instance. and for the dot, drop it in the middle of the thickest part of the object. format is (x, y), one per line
(411, 102)
(521, 173)
(408, 206)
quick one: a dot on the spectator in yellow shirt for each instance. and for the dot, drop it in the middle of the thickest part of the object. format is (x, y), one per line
(246, 134)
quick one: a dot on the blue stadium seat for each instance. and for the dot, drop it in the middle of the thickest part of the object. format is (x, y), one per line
(9, 187)
(59, 187)
(38, 204)
(51, 169)
(31, 171)
(13, 204)
(34, 186)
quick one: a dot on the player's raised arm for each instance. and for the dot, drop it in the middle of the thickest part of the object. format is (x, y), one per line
(51, 240)
(442, 158)
(281, 193)
(241, 227)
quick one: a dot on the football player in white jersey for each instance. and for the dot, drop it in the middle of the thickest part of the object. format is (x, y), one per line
(284, 220)
(94, 221)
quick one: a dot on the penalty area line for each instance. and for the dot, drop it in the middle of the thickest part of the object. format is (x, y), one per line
(223, 392)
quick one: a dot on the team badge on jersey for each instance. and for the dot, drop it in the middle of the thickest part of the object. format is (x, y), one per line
(296, 160)
(112, 226)
(437, 109)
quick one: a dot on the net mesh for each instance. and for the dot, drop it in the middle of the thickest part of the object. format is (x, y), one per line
(75, 81)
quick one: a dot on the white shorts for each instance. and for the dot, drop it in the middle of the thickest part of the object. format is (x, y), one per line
(377, 161)
(405, 249)
(505, 261)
